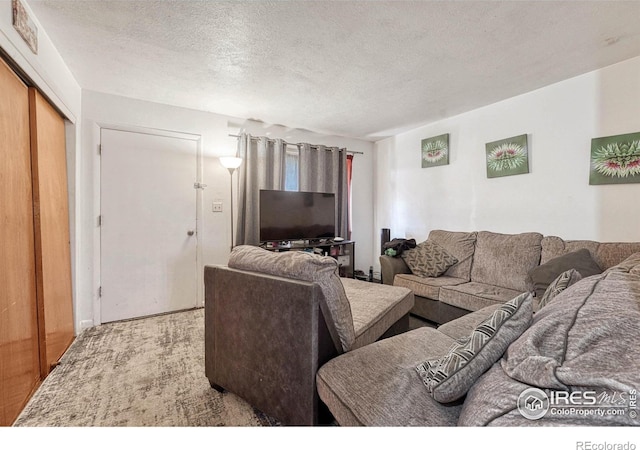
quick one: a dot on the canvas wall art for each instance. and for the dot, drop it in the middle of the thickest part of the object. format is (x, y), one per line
(435, 151)
(615, 159)
(507, 157)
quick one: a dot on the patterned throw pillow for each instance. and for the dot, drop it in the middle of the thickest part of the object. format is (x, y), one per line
(450, 377)
(563, 281)
(428, 259)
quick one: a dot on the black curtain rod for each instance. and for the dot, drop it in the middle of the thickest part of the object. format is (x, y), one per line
(296, 145)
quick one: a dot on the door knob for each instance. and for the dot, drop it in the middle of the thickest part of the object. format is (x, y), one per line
(190, 232)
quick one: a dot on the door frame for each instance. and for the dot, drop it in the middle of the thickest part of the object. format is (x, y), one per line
(97, 133)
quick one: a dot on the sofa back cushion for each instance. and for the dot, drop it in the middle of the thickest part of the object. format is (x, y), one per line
(605, 254)
(630, 265)
(505, 259)
(459, 244)
(304, 266)
(613, 253)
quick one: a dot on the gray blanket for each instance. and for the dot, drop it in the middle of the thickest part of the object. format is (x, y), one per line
(578, 363)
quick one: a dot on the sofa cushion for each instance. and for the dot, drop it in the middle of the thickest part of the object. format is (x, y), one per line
(563, 281)
(629, 265)
(505, 259)
(377, 385)
(450, 377)
(581, 260)
(605, 254)
(611, 254)
(375, 308)
(578, 342)
(425, 286)
(553, 246)
(305, 266)
(473, 296)
(428, 259)
(463, 326)
(461, 245)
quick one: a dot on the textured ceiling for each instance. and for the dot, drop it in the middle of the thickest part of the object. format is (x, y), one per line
(362, 69)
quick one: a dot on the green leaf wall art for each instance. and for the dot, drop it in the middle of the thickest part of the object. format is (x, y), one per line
(507, 157)
(435, 151)
(615, 159)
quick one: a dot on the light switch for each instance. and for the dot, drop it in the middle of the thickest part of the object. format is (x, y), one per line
(217, 206)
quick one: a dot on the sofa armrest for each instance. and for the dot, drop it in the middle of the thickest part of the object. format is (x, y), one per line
(265, 339)
(390, 266)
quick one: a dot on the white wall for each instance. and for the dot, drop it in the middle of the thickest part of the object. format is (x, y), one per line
(555, 198)
(100, 109)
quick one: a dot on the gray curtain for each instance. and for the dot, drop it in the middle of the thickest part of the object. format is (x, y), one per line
(263, 167)
(324, 169)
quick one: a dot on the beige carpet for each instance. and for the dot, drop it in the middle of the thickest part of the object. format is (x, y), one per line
(138, 373)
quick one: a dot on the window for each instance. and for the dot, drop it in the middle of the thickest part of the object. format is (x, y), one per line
(291, 170)
(291, 178)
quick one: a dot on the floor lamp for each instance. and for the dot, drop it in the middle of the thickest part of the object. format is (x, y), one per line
(231, 163)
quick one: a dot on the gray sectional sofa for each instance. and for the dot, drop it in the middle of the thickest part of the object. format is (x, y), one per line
(304, 346)
(273, 318)
(504, 365)
(492, 268)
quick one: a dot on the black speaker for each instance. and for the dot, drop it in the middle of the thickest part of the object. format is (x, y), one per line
(385, 236)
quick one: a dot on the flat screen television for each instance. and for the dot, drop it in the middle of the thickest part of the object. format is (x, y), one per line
(292, 215)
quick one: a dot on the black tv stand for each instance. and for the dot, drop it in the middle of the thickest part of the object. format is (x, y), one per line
(343, 251)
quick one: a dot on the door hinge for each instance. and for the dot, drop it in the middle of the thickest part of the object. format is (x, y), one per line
(100, 220)
(100, 292)
(199, 186)
(99, 149)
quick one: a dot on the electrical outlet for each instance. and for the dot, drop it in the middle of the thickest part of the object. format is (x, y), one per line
(217, 206)
(343, 260)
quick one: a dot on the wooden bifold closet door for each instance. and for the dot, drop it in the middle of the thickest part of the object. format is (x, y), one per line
(36, 309)
(19, 346)
(51, 221)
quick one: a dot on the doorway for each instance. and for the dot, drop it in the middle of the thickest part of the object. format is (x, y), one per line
(148, 224)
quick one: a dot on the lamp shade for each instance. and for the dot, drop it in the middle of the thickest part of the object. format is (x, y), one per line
(230, 162)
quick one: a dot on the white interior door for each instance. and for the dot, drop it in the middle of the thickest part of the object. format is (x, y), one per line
(148, 240)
